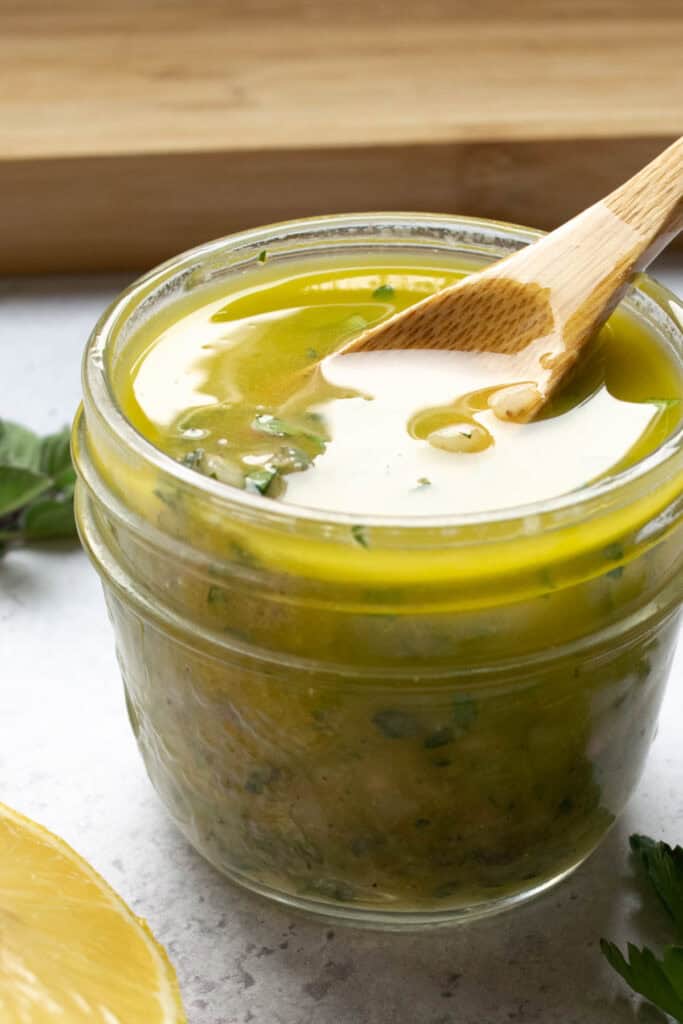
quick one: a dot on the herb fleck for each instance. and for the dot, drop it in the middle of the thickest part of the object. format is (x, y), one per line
(193, 458)
(259, 480)
(396, 724)
(260, 778)
(359, 535)
(385, 291)
(262, 256)
(439, 738)
(465, 712)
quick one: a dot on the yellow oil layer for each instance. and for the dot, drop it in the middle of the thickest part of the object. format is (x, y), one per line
(230, 388)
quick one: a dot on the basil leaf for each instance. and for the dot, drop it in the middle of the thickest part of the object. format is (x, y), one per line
(55, 454)
(19, 446)
(49, 519)
(18, 486)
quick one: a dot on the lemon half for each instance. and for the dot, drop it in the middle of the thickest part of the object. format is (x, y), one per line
(71, 951)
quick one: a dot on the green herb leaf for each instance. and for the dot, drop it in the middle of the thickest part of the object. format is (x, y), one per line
(659, 981)
(49, 519)
(36, 485)
(259, 480)
(19, 446)
(19, 486)
(385, 291)
(359, 535)
(262, 256)
(55, 457)
(664, 868)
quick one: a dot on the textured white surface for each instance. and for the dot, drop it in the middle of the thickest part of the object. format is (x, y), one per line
(68, 759)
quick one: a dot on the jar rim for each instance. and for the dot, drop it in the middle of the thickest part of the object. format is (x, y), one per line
(360, 228)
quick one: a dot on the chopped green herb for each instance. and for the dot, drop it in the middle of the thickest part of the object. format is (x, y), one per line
(359, 535)
(241, 555)
(465, 712)
(262, 256)
(217, 595)
(355, 324)
(291, 460)
(424, 481)
(168, 497)
(311, 353)
(259, 779)
(614, 552)
(659, 980)
(396, 724)
(615, 574)
(385, 291)
(265, 423)
(259, 480)
(546, 578)
(193, 458)
(439, 738)
(273, 425)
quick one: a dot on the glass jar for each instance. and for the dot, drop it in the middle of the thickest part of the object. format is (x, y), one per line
(402, 724)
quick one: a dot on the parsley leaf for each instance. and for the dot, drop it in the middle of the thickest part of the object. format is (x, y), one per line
(659, 980)
(664, 868)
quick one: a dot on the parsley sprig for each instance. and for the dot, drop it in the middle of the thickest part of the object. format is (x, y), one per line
(36, 485)
(658, 979)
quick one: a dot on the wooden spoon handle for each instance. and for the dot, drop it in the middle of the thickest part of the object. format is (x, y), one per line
(652, 202)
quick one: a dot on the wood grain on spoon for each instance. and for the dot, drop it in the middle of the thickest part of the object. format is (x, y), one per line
(542, 304)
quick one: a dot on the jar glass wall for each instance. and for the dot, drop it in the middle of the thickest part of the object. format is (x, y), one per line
(431, 724)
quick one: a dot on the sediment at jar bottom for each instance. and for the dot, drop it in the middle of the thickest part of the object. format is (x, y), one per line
(406, 801)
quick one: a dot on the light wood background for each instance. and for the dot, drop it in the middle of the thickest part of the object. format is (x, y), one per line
(131, 130)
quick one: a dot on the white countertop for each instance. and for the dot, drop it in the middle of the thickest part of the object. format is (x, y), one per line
(68, 759)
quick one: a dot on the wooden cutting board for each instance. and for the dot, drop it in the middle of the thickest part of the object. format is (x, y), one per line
(130, 131)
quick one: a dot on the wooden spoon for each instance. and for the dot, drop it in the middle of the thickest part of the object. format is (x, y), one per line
(541, 305)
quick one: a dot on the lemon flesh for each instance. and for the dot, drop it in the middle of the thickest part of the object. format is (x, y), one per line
(71, 951)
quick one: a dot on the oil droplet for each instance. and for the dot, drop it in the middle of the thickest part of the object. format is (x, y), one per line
(461, 437)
